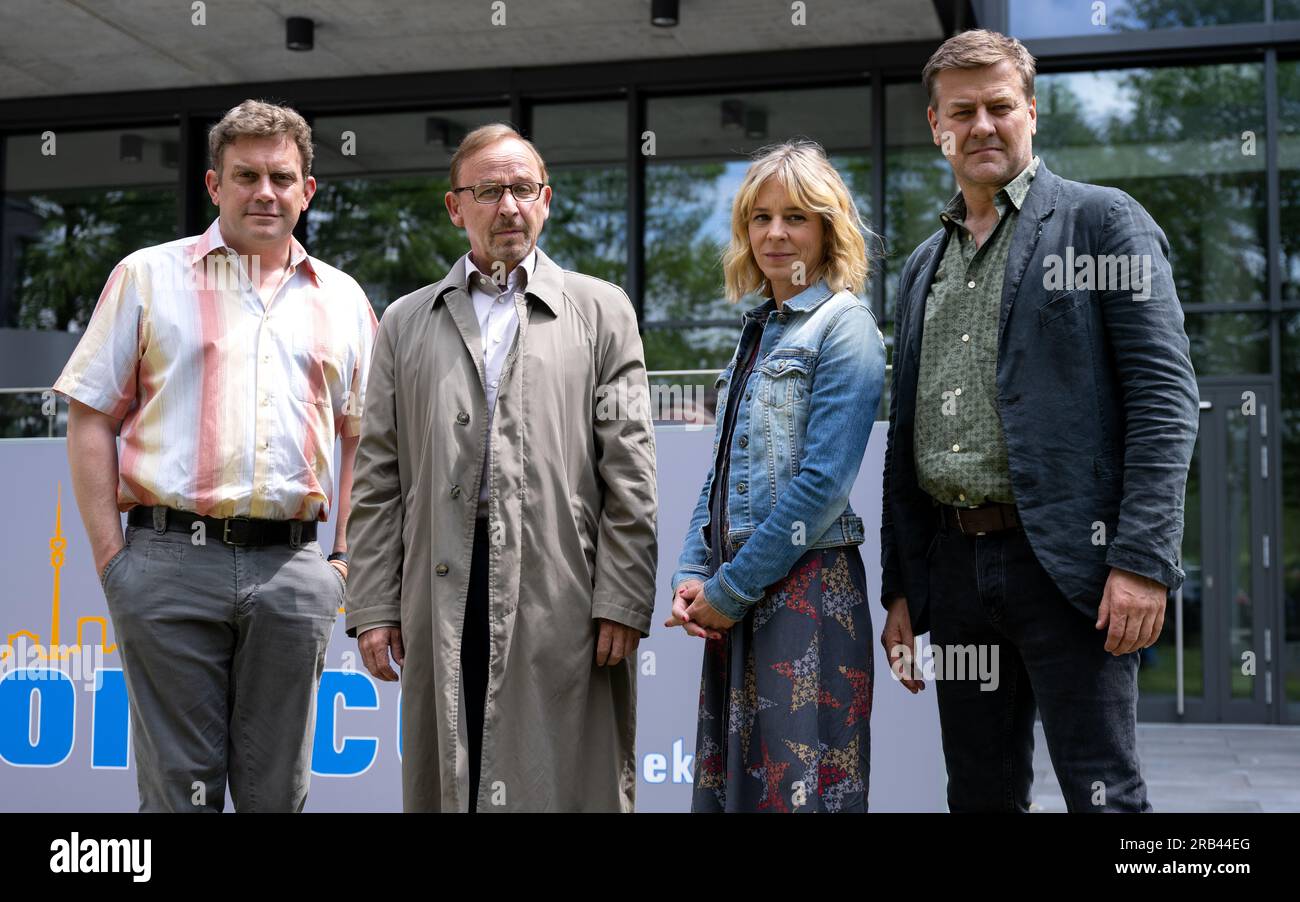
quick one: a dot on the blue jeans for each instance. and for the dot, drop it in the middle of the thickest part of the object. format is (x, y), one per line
(991, 591)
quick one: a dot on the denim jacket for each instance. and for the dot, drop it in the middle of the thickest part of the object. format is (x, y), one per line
(798, 442)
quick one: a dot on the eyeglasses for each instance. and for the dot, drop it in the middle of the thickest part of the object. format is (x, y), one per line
(490, 193)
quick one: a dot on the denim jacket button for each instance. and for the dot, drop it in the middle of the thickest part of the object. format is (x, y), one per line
(742, 488)
(744, 441)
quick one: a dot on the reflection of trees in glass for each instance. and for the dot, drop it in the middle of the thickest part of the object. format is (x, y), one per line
(1288, 98)
(61, 269)
(1142, 15)
(683, 266)
(587, 228)
(393, 235)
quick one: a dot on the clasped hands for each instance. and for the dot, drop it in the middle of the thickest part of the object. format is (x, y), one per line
(692, 612)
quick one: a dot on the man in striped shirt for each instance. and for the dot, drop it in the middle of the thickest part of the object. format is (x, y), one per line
(229, 362)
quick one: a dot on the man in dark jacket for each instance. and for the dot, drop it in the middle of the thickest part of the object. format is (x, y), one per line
(1041, 427)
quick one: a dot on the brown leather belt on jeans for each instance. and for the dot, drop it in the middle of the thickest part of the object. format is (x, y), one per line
(978, 521)
(234, 531)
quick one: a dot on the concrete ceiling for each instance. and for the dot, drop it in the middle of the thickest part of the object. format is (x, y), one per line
(56, 47)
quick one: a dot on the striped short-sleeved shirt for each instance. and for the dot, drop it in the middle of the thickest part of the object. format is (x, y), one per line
(230, 406)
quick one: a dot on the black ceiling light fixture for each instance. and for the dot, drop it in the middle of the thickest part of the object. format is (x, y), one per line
(663, 13)
(130, 148)
(299, 33)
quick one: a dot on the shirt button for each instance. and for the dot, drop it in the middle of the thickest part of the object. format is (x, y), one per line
(956, 391)
(742, 488)
(956, 447)
(496, 340)
(462, 418)
(970, 284)
(493, 383)
(442, 569)
(965, 337)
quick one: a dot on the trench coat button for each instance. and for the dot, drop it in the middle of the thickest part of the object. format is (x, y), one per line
(744, 441)
(742, 488)
(442, 569)
(455, 491)
(462, 418)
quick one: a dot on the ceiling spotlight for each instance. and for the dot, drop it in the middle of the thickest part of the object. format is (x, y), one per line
(733, 114)
(663, 13)
(443, 132)
(299, 33)
(755, 123)
(130, 148)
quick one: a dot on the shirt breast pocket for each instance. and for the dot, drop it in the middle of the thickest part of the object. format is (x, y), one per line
(784, 381)
(317, 376)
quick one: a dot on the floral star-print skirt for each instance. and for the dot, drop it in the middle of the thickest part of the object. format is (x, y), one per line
(785, 697)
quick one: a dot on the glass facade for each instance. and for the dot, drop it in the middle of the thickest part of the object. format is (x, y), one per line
(75, 203)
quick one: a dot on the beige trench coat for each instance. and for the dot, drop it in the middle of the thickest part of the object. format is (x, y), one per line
(571, 536)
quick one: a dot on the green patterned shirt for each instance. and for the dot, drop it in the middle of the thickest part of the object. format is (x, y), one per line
(961, 453)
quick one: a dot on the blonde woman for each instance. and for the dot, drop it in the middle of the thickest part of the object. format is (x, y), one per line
(770, 574)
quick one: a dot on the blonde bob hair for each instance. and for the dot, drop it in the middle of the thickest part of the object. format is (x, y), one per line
(812, 184)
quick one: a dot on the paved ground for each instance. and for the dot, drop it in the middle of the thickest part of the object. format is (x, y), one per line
(1201, 768)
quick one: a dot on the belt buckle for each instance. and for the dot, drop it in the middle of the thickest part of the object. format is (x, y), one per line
(962, 526)
(225, 531)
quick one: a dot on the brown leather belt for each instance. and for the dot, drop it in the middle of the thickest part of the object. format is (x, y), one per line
(978, 521)
(234, 531)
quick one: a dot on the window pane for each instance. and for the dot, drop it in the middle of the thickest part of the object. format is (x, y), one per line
(378, 213)
(1200, 176)
(584, 145)
(1061, 18)
(75, 204)
(1228, 344)
(702, 149)
(1288, 96)
(918, 182)
(690, 348)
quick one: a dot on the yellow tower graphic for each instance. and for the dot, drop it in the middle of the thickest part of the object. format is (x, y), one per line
(55, 651)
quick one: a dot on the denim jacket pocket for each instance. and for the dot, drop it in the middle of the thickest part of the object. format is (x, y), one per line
(784, 380)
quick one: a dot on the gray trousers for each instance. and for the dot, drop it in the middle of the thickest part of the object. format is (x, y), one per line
(222, 649)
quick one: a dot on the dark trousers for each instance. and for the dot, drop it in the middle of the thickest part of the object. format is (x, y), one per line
(990, 591)
(474, 655)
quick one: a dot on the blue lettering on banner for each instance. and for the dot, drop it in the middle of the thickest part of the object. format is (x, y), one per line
(110, 734)
(55, 696)
(355, 754)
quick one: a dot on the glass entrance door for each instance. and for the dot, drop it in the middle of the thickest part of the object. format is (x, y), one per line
(1215, 660)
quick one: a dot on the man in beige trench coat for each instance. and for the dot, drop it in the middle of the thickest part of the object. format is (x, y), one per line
(502, 531)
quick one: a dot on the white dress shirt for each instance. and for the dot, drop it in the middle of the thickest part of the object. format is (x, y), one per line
(498, 322)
